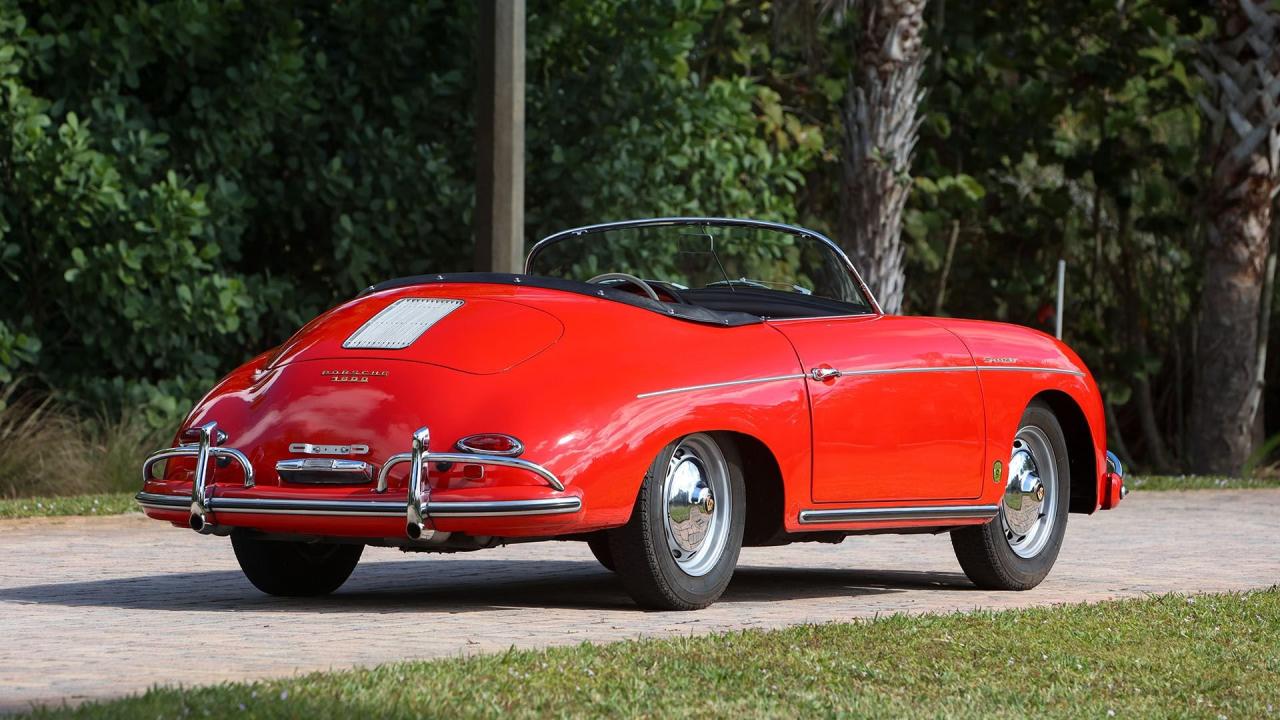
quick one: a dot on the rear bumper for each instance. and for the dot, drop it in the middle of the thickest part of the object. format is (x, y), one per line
(363, 508)
(338, 511)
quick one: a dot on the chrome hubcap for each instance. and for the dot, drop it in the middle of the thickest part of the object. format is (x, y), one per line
(1031, 496)
(696, 503)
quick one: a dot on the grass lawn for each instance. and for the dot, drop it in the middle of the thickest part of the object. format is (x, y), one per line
(1209, 655)
(99, 504)
(1200, 482)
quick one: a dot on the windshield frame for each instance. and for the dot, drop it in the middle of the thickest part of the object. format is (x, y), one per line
(710, 222)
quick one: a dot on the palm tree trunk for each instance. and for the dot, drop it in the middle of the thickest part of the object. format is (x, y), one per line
(1243, 110)
(881, 126)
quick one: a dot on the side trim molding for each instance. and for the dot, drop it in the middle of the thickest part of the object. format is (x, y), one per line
(876, 371)
(929, 512)
(729, 383)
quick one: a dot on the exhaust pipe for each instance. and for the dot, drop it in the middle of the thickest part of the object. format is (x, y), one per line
(201, 524)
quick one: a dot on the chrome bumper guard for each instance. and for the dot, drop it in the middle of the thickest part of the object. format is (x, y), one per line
(1114, 466)
(416, 508)
(207, 437)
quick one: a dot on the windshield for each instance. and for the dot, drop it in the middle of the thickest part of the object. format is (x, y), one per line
(707, 256)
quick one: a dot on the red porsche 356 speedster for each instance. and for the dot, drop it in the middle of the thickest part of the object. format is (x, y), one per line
(666, 390)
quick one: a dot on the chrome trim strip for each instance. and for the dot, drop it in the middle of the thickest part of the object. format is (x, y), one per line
(161, 502)
(847, 373)
(367, 508)
(907, 371)
(729, 383)
(723, 222)
(930, 512)
(472, 459)
(517, 447)
(1025, 368)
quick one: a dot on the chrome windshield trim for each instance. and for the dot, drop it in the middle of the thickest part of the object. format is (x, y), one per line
(728, 383)
(722, 222)
(367, 508)
(904, 513)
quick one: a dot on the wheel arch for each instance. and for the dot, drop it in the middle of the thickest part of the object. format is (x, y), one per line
(766, 493)
(1081, 457)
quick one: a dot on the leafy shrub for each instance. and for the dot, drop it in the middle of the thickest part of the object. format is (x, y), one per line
(183, 183)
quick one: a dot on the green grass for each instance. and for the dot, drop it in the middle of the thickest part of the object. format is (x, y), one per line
(95, 504)
(1207, 656)
(1200, 482)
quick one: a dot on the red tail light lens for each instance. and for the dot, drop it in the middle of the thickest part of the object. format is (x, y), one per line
(491, 444)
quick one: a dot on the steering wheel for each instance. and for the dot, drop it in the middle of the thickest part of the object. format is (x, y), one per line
(624, 277)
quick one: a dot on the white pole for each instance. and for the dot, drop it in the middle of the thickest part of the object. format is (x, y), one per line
(1062, 286)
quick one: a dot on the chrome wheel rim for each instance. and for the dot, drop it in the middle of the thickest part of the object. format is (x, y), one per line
(1029, 507)
(696, 505)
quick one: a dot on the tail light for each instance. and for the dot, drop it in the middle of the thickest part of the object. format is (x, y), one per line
(491, 444)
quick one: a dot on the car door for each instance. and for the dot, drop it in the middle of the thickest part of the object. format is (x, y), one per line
(897, 409)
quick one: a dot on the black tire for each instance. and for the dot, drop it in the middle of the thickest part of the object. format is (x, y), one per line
(640, 550)
(984, 551)
(294, 569)
(599, 545)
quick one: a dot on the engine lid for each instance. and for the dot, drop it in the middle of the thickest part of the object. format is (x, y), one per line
(479, 335)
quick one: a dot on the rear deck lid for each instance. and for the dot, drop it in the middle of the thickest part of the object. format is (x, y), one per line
(480, 335)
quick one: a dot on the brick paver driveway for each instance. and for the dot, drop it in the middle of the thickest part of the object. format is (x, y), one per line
(106, 606)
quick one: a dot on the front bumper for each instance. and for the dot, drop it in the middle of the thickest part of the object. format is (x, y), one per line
(239, 505)
(1114, 489)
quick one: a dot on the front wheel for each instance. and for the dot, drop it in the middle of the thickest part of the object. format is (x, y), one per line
(1018, 547)
(294, 569)
(680, 548)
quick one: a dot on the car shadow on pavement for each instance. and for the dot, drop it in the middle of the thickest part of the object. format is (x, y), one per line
(460, 586)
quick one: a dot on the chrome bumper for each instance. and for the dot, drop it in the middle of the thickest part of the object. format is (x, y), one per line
(416, 508)
(366, 508)
(1114, 466)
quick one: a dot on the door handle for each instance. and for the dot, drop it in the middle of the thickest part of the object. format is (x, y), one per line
(824, 373)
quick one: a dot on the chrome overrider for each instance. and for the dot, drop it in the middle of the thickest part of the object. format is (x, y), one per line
(416, 508)
(207, 437)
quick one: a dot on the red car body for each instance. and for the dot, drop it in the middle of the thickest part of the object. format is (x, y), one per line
(862, 423)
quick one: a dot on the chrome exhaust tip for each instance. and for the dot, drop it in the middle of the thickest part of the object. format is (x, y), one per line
(197, 523)
(413, 530)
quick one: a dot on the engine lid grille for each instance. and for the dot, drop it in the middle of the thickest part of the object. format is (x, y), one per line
(401, 323)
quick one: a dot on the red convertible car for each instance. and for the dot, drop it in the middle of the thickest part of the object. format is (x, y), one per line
(666, 390)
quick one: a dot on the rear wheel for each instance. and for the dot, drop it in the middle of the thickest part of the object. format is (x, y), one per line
(679, 549)
(1018, 547)
(294, 569)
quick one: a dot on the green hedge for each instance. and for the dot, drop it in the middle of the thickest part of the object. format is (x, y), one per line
(184, 183)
